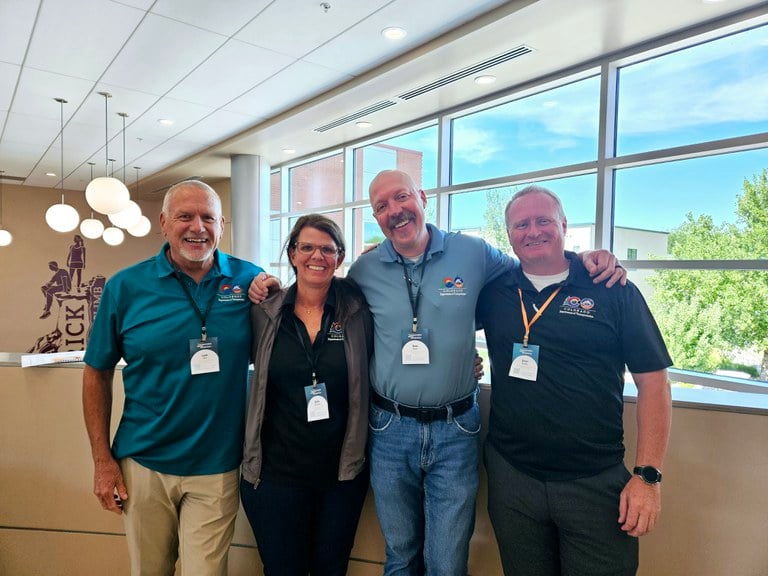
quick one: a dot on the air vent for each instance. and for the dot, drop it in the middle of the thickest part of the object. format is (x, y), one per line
(10, 178)
(355, 115)
(479, 67)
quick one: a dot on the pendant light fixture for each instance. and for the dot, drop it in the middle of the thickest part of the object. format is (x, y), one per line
(144, 225)
(62, 217)
(91, 227)
(107, 195)
(113, 236)
(5, 237)
(129, 216)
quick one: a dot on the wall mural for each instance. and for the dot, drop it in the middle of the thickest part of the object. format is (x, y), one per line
(70, 302)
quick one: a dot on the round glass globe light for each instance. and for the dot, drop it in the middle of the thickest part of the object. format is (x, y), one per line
(128, 217)
(113, 236)
(91, 228)
(62, 217)
(107, 195)
(142, 228)
(5, 237)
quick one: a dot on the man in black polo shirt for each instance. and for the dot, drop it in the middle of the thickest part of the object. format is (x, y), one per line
(559, 496)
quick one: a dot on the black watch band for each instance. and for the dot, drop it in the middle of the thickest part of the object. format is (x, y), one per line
(649, 474)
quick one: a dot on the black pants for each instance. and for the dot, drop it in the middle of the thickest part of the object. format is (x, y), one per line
(301, 531)
(559, 528)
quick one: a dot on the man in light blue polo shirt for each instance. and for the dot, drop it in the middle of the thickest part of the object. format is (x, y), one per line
(180, 320)
(422, 286)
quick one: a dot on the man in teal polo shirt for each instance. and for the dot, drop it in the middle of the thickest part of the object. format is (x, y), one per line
(180, 322)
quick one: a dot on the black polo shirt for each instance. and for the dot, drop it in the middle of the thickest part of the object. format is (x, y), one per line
(295, 451)
(569, 422)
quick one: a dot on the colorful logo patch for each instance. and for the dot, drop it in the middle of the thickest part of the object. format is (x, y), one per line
(575, 306)
(453, 286)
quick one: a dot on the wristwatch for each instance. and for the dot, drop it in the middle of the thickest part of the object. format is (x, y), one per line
(649, 474)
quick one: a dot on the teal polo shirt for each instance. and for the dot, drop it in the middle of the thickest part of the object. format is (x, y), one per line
(175, 422)
(451, 275)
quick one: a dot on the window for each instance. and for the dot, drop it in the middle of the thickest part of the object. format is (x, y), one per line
(552, 128)
(414, 153)
(318, 183)
(631, 253)
(707, 92)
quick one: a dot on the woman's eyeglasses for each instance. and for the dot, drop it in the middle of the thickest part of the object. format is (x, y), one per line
(308, 249)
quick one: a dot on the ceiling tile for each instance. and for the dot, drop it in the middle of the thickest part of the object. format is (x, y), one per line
(31, 130)
(216, 127)
(183, 114)
(372, 49)
(19, 158)
(299, 82)
(16, 20)
(309, 25)
(9, 74)
(222, 19)
(160, 54)
(37, 91)
(80, 38)
(231, 71)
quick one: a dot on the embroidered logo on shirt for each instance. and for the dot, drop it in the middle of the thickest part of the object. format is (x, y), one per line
(229, 293)
(453, 286)
(336, 332)
(575, 306)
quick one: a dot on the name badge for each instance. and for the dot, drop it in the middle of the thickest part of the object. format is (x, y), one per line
(317, 402)
(525, 362)
(204, 356)
(415, 347)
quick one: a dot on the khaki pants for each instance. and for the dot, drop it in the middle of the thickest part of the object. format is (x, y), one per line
(191, 518)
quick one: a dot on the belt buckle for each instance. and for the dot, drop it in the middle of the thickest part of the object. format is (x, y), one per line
(425, 415)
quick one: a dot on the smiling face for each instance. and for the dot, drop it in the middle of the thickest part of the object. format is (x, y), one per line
(313, 267)
(192, 223)
(536, 230)
(398, 207)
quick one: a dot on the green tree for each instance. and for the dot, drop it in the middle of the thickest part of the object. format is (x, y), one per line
(495, 230)
(702, 313)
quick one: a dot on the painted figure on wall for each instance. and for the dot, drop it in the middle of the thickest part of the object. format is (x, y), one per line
(77, 303)
(59, 284)
(76, 262)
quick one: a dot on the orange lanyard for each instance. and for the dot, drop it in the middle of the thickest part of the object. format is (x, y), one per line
(538, 313)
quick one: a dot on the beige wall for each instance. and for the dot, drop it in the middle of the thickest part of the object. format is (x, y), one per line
(715, 519)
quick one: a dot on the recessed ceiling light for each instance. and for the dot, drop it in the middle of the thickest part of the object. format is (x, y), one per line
(289, 150)
(50, 174)
(485, 79)
(394, 33)
(363, 124)
(165, 122)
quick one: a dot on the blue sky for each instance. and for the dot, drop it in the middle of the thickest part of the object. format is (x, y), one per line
(711, 91)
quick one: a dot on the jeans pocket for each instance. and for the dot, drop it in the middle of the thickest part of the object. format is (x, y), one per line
(378, 419)
(469, 422)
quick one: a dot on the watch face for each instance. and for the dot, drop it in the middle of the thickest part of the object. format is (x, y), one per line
(650, 474)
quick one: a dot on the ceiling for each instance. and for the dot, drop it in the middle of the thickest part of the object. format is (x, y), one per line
(261, 76)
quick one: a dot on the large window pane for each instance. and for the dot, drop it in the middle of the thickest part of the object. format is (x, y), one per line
(317, 184)
(553, 128)
(275, 193)
(705, 208)
(706, 92)
(414, 153)
(481, 212)
(712, 320)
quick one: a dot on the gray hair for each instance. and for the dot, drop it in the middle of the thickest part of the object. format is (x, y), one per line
(189, 184)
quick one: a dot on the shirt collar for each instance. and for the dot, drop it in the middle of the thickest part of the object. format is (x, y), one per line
(221, 264)
(577, 274)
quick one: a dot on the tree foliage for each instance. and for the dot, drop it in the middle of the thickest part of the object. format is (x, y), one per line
(703, 313)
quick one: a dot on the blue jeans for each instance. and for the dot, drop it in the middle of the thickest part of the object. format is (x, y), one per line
(424, 479)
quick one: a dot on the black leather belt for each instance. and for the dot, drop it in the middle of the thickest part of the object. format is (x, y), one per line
(424, 415)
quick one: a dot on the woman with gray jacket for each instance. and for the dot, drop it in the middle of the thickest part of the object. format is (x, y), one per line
(304, 473)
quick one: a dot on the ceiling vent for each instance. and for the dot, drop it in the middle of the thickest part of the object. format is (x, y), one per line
(355, 115)
(469, 71)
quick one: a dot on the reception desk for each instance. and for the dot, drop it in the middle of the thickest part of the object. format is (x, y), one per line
(714, 520)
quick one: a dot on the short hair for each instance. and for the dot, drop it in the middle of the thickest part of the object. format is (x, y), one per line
(534, 189)
(318, 222)
(403, 175)
(189, 184)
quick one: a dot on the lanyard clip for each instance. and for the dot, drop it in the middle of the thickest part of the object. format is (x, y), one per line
(204, 335)
(415, 324)
(314, 379)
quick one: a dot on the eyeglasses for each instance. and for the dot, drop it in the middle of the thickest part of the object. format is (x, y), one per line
(308, 249)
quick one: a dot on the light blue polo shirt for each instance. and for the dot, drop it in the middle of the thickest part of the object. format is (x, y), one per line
(174, 422)
(457, 268)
